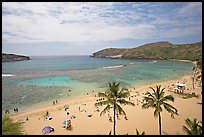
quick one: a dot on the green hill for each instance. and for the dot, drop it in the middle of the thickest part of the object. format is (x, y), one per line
(157, 50)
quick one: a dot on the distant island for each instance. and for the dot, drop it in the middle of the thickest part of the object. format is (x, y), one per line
(13, 57)
(157, 50)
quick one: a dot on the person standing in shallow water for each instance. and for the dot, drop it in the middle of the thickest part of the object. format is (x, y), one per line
(7, 111)
(53, 102)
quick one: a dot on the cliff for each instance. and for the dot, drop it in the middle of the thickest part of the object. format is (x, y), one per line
(13, 57)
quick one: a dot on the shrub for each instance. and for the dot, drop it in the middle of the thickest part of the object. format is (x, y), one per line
(11, 128)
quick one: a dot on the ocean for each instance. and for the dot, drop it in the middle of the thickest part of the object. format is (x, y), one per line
(44, 79)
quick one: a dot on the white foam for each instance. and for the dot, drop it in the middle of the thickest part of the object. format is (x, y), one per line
(112, 67)
(154, 61)
(7, 75)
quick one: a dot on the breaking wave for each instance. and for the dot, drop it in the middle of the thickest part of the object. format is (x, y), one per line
(113, 67)
(7, 75)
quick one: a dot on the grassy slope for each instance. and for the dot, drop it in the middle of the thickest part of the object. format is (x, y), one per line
(159, 50)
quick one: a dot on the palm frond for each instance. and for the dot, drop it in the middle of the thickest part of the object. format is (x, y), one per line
(124, 93)
(114, 88)
(119, 109)
(148, 104)
(109, 133)
(192, 127)
(150, 95)
(170, 109)
(161, 92)
(137, 132)
(185, 129)
(123, 101)
(102, 95)
(169, 98)
(188, 123)
(101, 103)
(106, 109)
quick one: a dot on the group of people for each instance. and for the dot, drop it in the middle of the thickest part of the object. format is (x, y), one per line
(55, 102)
(15, 110)
(8, 112)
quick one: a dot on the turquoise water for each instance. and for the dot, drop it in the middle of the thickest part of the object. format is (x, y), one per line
(49, 78)
(47, 81)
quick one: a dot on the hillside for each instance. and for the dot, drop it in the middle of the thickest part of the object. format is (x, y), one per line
(13, 57)
(157, 50)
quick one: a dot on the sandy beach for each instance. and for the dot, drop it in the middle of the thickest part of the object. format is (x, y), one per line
(142, 119)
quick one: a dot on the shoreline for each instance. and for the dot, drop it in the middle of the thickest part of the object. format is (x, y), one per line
(65, 100)
(46, 103)
(58, 114)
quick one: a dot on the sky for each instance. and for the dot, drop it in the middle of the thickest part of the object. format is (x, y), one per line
(82, 28)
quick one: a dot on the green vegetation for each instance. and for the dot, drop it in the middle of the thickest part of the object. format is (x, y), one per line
(193, 127)
(199, 63)
(187, 95)
(158, 50)
(156, 100)
(113, 97)
(11, 128)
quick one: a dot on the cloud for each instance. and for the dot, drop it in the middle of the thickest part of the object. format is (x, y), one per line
(85, 22)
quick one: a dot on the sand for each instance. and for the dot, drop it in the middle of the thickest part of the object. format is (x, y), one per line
(142, 119)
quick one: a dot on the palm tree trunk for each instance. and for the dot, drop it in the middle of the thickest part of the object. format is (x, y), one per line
(114, 123)
(159, 124)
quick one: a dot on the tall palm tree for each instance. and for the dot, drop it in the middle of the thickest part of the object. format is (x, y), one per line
(193, 127)
(113, 98)
(156, 100)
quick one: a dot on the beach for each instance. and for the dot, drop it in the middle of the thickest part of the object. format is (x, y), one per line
(138, 118)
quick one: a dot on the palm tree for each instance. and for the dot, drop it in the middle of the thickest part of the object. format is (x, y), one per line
(156, 100)
(197, 75)
(193, 127)
(113, 97)
(137, 132)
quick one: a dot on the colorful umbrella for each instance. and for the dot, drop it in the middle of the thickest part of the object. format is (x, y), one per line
(67, 122)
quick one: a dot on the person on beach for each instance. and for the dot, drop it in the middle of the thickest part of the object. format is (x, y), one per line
(56, 102)
(79, 108)
(7, 111)
(66, 107)
(53, 102)
(26, 118)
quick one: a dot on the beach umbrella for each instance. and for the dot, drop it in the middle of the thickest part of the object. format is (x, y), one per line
(67, 122)
(47, 129)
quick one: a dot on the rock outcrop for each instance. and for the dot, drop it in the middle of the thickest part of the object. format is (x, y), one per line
(13, 57)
